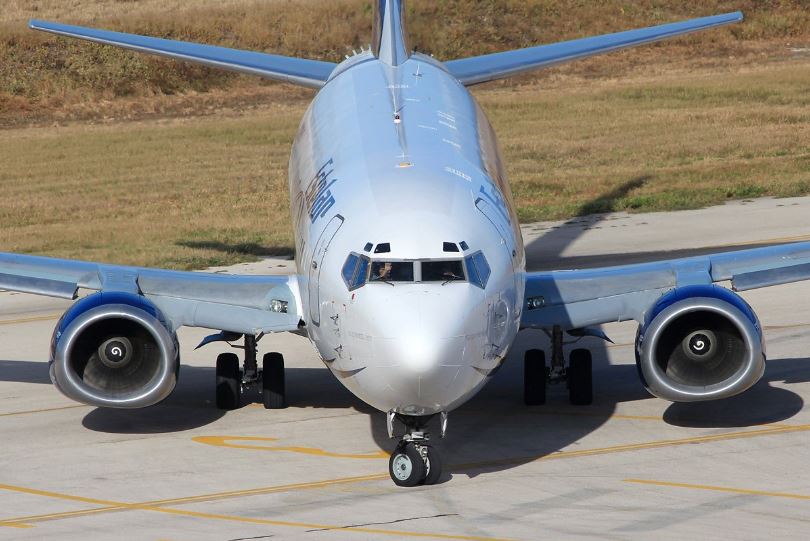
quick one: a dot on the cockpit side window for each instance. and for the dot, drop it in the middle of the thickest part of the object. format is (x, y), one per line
(355, 271)
(442, 271)
(392, 271)
(478, 269)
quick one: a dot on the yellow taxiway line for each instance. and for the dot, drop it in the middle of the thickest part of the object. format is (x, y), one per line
(229, 518)
(260, 444)
(771, 430)
(30, 319)
(720, 489)
(159, 505)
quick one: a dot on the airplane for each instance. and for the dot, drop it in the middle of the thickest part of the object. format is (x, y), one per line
(411, 279)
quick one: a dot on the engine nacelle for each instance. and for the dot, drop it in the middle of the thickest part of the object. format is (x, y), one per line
(114, 350)
(700, 343)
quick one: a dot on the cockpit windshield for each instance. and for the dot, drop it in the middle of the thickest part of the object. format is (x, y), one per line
(392, 271)
(360, 270)
(442, 271)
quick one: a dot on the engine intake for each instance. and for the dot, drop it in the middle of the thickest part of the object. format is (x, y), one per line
(114, 350)
(700, 343)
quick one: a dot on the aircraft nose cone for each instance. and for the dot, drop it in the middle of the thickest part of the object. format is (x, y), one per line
(422, 336)
(422, 353)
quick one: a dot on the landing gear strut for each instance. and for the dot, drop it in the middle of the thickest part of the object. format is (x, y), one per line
(233, 383)
(578, 374)
(414, 461)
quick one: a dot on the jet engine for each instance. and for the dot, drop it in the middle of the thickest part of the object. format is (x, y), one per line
(700, 343)
(114, 350)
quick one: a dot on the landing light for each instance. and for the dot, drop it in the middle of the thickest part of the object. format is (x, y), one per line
(278, 306)
(533, 303)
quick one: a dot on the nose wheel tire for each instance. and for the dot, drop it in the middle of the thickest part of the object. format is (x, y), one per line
(580, 377)
(535, 376)
(434, 466)
(229, 382)
(273, 386)
(406, 466)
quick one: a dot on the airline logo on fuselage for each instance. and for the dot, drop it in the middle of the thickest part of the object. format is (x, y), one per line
(317, 196)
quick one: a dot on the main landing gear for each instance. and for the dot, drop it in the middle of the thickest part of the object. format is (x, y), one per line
(537, 375)
(415, 461)
(233, 383)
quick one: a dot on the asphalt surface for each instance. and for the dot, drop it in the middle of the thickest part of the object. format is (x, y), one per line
(628, 467)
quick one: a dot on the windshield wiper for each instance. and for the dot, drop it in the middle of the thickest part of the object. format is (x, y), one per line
(453, 278)
(383, 280)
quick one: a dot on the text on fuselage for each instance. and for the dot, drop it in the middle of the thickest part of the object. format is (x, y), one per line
(317, 197)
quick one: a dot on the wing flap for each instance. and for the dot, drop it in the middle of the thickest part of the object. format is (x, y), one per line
(480, 69)
(770, 277)
(39, 286)
(300, 71)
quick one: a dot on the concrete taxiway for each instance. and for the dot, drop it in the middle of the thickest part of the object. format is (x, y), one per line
(628, 467)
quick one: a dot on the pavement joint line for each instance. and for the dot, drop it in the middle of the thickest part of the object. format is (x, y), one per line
(44, 410)
(156, 505)
(732, 490)
(231, 518)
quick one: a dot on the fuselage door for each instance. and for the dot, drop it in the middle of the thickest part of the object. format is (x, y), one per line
(318, 254)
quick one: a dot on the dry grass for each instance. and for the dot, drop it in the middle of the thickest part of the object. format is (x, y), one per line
(723, 114)
(20, 11)
(184, 194)
(189, 193)
(682, 141)
(41, 73)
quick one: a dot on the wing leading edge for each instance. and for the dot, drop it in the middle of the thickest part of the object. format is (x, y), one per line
(480, 69)
(581, 298)
(240, 304)
(299, 71)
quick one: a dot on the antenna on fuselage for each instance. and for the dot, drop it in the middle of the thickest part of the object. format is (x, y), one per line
(389, 41)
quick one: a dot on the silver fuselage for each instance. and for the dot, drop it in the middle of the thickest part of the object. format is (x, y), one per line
(404, 155)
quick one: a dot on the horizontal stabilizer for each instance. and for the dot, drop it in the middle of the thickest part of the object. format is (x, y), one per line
(299, 71)
(480, 69)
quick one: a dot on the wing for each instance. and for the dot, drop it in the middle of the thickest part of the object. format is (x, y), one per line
(480, 69)
(240, 304)
(309, 73)
(580, 298)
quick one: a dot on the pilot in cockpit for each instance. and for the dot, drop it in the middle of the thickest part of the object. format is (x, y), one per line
(383, 271)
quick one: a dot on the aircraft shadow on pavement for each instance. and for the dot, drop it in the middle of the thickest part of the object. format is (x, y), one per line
(762, 404)
(492, 432)
(192, 404)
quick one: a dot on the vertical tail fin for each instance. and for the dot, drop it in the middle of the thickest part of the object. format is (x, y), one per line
(389, 39)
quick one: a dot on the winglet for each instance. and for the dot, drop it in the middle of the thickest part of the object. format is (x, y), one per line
(389, 39)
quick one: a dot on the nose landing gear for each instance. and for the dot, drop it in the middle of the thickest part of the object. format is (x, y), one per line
(414, 461)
